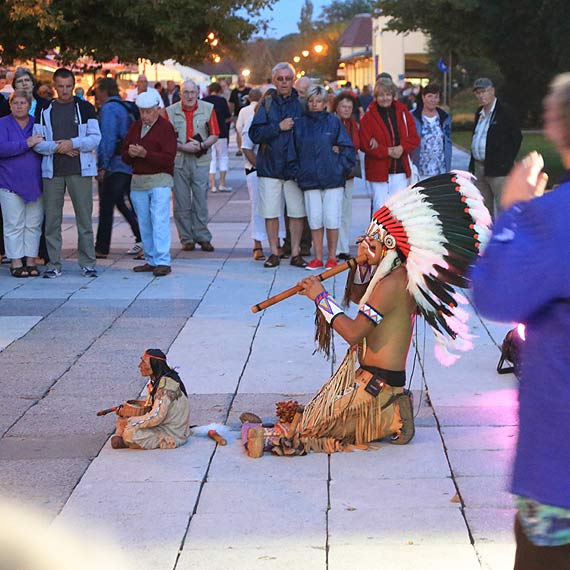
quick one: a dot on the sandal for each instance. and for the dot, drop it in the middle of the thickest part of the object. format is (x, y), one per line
(258, 254)
(19, 272)
(298, 261)
(283, 254)
(272, 261)
(32, 270)
(139, 255)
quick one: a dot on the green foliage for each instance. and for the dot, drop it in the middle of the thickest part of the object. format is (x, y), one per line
(151, 29)
(531, 141)
(527, 39)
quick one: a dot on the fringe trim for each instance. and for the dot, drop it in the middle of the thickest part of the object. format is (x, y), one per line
(323, 334)
(349, 286)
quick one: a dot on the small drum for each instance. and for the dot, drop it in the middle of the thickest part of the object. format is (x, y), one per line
(133, 408)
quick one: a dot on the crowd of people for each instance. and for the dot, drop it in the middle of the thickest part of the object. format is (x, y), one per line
(303, 146)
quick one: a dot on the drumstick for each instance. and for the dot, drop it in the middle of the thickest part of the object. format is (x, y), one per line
(352, 262)
(217, 437)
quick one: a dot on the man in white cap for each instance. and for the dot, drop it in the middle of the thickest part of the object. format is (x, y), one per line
(150, 148)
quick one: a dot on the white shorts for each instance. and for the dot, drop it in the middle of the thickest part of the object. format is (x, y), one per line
(271, 191)
(324, 208)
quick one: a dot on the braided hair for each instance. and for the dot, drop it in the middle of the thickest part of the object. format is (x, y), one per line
(160, 368)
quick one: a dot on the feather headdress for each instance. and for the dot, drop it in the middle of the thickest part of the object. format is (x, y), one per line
(438, 225)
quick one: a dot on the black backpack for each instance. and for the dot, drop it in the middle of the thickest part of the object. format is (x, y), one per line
(134, 115)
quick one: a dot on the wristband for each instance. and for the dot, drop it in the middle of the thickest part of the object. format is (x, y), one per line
(363, 274)
(371, 314)
(328, 306)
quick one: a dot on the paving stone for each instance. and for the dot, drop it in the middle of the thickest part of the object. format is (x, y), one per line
(492, 416)
(72, 446)
(422, 458)
(407, 494)
(232, 463)
(13, 328)
(32, 473)
(28, 307)
(409, 557)
(187, 463)
(162, 308)
(474, 462)
(255, 497)
(305, 529)
(479, 492)
(491, 525)
(487, 438)
(273, 557)
(136, 498)
(496, 556)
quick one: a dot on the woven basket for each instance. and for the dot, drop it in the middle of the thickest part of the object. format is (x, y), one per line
(133, 408)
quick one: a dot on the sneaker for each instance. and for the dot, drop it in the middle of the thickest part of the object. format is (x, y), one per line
(89, 272)
(137, 248)
(225, 189)
(51, 273)
(239, 153)
(213, 189)
(314, 264)
(331, 262)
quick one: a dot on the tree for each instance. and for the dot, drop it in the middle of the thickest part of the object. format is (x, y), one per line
(130, 29)
(305, 24)
(527, 39)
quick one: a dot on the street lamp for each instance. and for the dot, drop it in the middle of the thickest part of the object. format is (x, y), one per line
(319, 48)
(305, 53)
(246, 72)
(296, 59)
(217, 58)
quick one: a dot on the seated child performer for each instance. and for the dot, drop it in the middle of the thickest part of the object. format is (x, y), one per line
(167, 425)
(419, 247)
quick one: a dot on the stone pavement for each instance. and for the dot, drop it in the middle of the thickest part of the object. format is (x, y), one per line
(70, 346)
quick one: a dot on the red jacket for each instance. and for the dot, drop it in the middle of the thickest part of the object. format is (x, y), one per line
(377, 162)
(160, 144)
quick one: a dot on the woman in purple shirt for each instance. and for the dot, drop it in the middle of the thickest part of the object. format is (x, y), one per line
(20, 186)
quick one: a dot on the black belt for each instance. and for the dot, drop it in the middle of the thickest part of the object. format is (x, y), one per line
(250, 170)
(395, 378)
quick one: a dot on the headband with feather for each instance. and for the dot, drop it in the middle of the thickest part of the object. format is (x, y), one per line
(438, 225)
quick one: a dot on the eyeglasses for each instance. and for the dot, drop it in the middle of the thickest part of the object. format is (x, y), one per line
(189, 92)
(281, 78)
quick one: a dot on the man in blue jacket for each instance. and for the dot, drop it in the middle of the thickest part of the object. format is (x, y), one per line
(524, 276)
(114, 176)
(272, 129)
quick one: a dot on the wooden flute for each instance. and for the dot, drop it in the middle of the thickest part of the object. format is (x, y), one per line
(352, 262)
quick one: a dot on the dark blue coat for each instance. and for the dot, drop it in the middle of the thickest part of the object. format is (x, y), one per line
(276, 149)
(316, 165)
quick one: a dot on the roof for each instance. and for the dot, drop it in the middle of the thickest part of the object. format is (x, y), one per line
(366, 52)
(358, 33)
(225, 67)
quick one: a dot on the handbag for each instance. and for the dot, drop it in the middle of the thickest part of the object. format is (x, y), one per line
(356, 171)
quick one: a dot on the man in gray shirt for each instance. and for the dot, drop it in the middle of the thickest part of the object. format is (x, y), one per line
(71, 135)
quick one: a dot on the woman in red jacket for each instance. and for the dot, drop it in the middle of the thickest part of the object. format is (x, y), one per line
(387, 137)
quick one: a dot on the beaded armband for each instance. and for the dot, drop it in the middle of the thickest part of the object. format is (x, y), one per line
(371, 313)
(363, 274)
(328, 306)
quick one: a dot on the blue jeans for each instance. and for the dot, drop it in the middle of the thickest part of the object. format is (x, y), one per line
(153, 212)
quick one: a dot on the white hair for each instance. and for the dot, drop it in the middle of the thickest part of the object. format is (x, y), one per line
(281, 66)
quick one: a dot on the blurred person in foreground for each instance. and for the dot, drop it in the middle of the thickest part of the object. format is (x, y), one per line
(344, 105)
(530, 239)
(324, 157)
